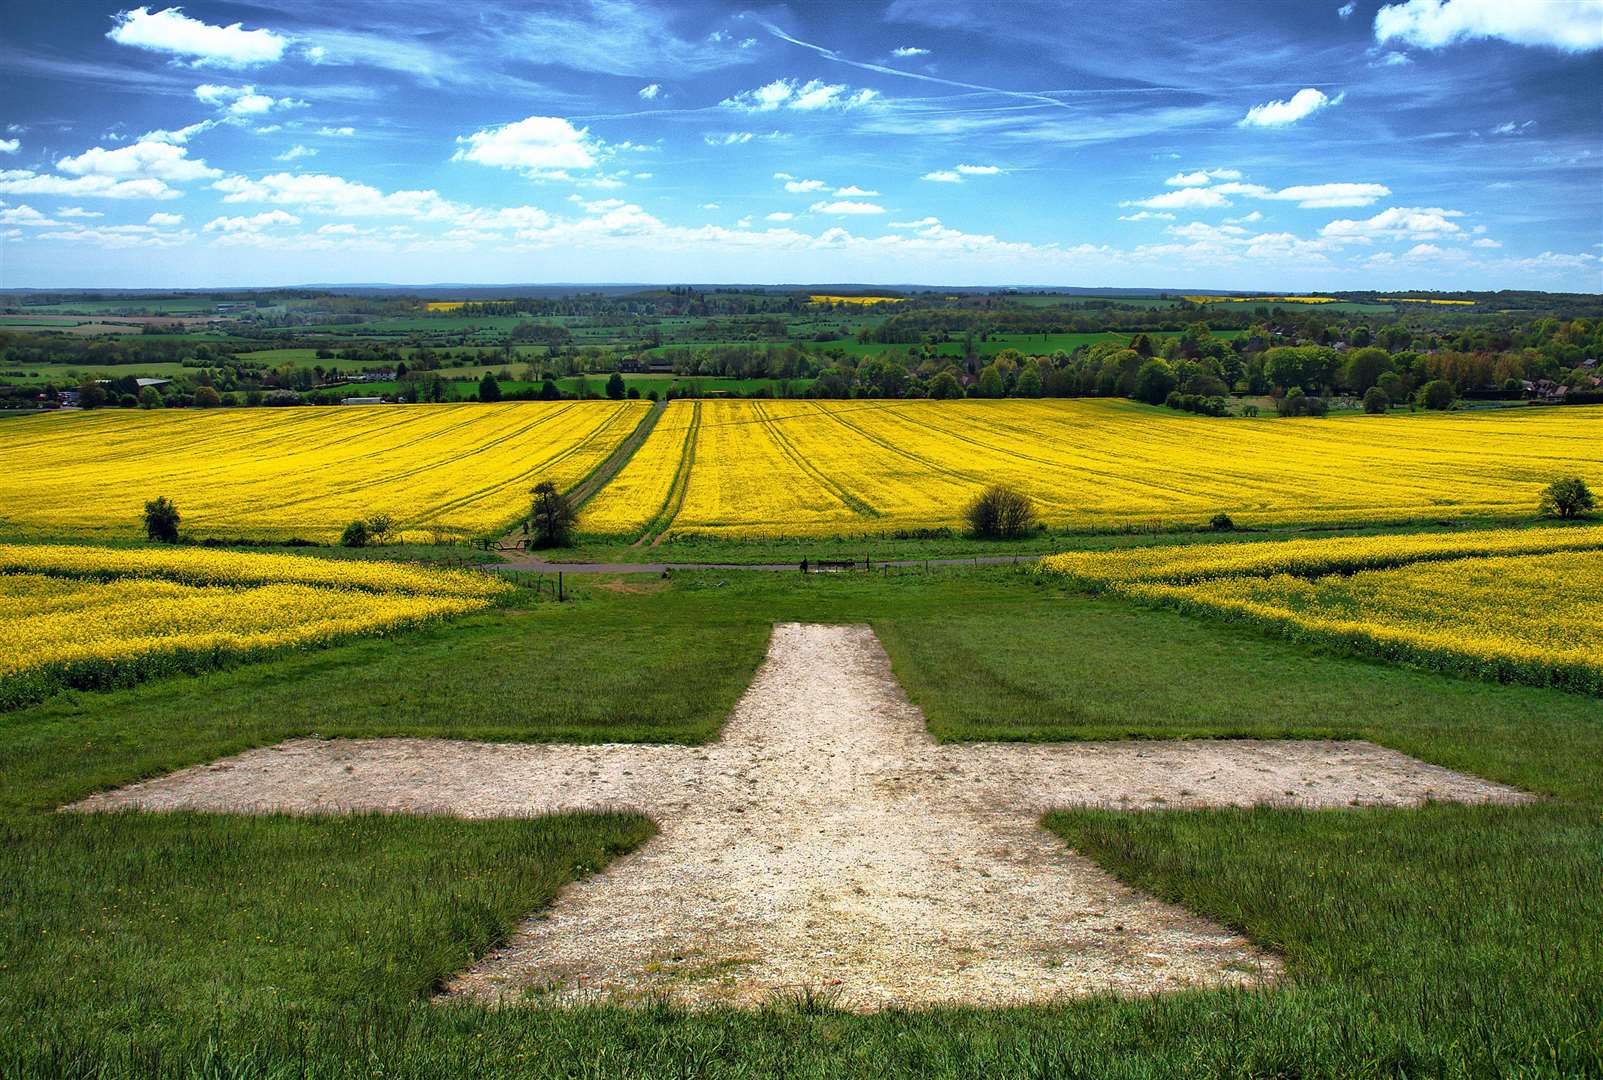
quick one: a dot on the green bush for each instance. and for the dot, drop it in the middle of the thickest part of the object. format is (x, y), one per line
(355, 534)
(161, 519)
(1437, 394)
(1375, 400)
(1000, 513)
(552, 518)
(1567, 497)
(1221, 523)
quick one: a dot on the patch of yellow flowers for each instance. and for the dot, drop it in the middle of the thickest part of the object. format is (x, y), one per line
(1512, 605)
(855, 468)
(461, 470)
(95, 617)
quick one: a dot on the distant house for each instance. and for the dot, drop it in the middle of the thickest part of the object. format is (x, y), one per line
(362, 401)
(152, 382)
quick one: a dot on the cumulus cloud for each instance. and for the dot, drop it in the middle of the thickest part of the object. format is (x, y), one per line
(1399, 222)
(179, 135)
(337, 132)
(650, 92)
(1566, 25)
(295, 153)
(254, 223)
(1190, 198)
(171, 31)
(905, 51)
(812, 96)
(28, 182)
(25, 215)
(10, 146)
(779, 215)
(323, 193)
(800, 187)
(78, 212)
(846, 207)
(853, 191)
(1311, 196)
(539, 146)
(139, 161)
(1147, 215)
(1202, 177)
(943, 176)
(242, 101)
(1301, 105)
(165, 220)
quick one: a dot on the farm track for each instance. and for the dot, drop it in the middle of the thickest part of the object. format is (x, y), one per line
(657, 527)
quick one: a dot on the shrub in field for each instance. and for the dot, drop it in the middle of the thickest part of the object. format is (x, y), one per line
(944, 387)
(615, 388)
(1567, 497)
(1000, 513)
(380, 527)
(489, 388)
(1221, 523)
(551, 517)
(355, 534)
(161, 520)
(1153, 382)
(1376, 401)
(207, 397)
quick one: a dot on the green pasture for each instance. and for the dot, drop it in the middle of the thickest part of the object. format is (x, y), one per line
(1445, 941)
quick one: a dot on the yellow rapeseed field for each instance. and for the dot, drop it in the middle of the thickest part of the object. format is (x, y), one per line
(867, 301)
(95, 617)
(1522, 605)
(462, 469)
(753, 468)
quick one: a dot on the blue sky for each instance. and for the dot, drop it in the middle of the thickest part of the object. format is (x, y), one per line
(1282, 145)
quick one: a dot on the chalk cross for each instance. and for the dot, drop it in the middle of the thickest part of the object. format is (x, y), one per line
(826, 843)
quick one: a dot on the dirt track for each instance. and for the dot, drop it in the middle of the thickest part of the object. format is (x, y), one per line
(827, 843)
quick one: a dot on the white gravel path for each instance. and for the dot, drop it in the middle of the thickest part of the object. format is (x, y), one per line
(826, 843)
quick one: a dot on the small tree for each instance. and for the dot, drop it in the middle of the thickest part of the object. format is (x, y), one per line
(1000, 513)
(1437, 394)
(551, 517)
(91, 395)
(1567, 497)
(207, 397)
(1221, 523)
(149, 398)
(1375, 400)
(161, 520)
(379, 527)
(945, 387)
(615, 387)
(1153, 382)
(355, 534)
(489, 389)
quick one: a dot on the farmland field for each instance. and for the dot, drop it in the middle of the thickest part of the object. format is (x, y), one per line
(1520, 605)
(78, 616)
(861, 468)
(464, 470)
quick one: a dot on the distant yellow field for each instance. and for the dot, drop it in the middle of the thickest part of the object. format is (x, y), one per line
(465, 469)
(869, 300)
(734, 468)
(1429, 300)
(445, 305)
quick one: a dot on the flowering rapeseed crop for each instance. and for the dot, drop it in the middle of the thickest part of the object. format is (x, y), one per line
(92, 617)
(1516, 605)
(464, 469)
(849, 468)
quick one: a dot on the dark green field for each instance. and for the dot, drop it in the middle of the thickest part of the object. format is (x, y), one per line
(1449, 941)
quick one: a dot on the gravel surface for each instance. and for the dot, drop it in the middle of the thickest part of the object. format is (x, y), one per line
(828, 845)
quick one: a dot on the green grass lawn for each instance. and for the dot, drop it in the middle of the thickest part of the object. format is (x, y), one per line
(1450, 941)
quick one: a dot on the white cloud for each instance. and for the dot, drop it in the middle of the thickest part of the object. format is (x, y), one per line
(943, 176)
(1320, 196)
(1202, 177)
(979, 170)
(779, 215)
(1486, 242)
(78, 212)
(649, 93)
(28, 182)
(1398, 222)
(120, 236)
(846, 207)
(255, 223)
(162, 220)
(139, 161)
(921, 223)
(1299, 106)
(811, 96)
(24, 215)
(1511, 128)
(710, 206)
(242, 101)
(729, 138)
(171, 31)
(1346, 10)
(1566, 25)
(1394, 59)
(10, 146)
(295, 152)
(179, 136)
(322, 193)
(1246, 219)
(1147, 215)
(801, 187)
(337, 132)
(1183, 199)
(540, 146)
(853, 191)
(906, 51)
